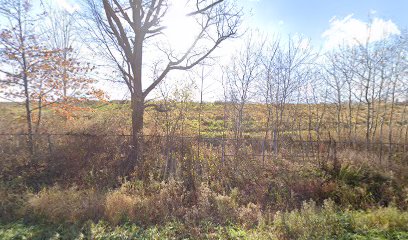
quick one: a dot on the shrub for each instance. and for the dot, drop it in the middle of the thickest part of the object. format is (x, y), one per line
(167, 203)
(385, 219)
(120, 207)
(205, 201)
(66, 206)
(363, 187)
(18, 231)
(348, 196)
(249, 216)
(311, 222)
(222, 209)
(12, 200)
(161, 203)
(226, 209)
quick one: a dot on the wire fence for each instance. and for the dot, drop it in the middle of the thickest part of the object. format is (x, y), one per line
(46, 143)
(99, 160)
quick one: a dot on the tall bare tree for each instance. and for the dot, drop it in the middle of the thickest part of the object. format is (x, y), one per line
(242, 74)
(336, 82)
(58, 32)
(287, 69)
(123, 28)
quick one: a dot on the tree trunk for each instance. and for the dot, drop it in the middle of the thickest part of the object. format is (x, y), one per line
(368, 120)
(350, 113)
(37, 127)
(137, 99)
(29, 121)
(391, 119)
(26, 87)
(136, 154)
(333, 157)
(64, 76)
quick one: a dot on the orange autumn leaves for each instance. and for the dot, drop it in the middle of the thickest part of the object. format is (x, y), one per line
(54, 77)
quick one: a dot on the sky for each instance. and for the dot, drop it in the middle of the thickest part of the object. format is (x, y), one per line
(318, 20)
(327, 23)
(321, 19)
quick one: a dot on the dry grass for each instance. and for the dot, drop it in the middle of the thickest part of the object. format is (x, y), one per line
(120, 207)
(66, 205)
(164, 204)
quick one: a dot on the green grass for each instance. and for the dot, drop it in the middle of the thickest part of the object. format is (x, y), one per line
(101, 230)
(309, 222)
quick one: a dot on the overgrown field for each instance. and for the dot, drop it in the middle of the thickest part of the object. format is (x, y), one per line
(77, 184)
(217, 120)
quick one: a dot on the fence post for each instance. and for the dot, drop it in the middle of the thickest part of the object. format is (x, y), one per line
(333, 157)
(49, 144)
(223, 152)
(263, 153)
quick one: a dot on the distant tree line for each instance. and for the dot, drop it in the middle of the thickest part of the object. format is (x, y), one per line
(349, 93)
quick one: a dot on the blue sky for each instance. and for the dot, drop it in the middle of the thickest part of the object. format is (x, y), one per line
(312, 17)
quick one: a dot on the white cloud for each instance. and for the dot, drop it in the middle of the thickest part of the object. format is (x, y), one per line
(70, 7)
(352, 31)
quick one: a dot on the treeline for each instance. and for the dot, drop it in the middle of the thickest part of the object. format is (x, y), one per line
(354, 93)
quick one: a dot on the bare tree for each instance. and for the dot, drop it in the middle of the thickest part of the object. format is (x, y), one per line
(336, 82)
(397, 72)
(19, 54)
(370, 57)
(266, 87)
(241, 75)
(58, 32)
(123, 29)
(368, 75)
(287, 69)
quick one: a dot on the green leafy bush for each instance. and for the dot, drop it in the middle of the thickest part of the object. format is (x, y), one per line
(311, 222)
(385, 219)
